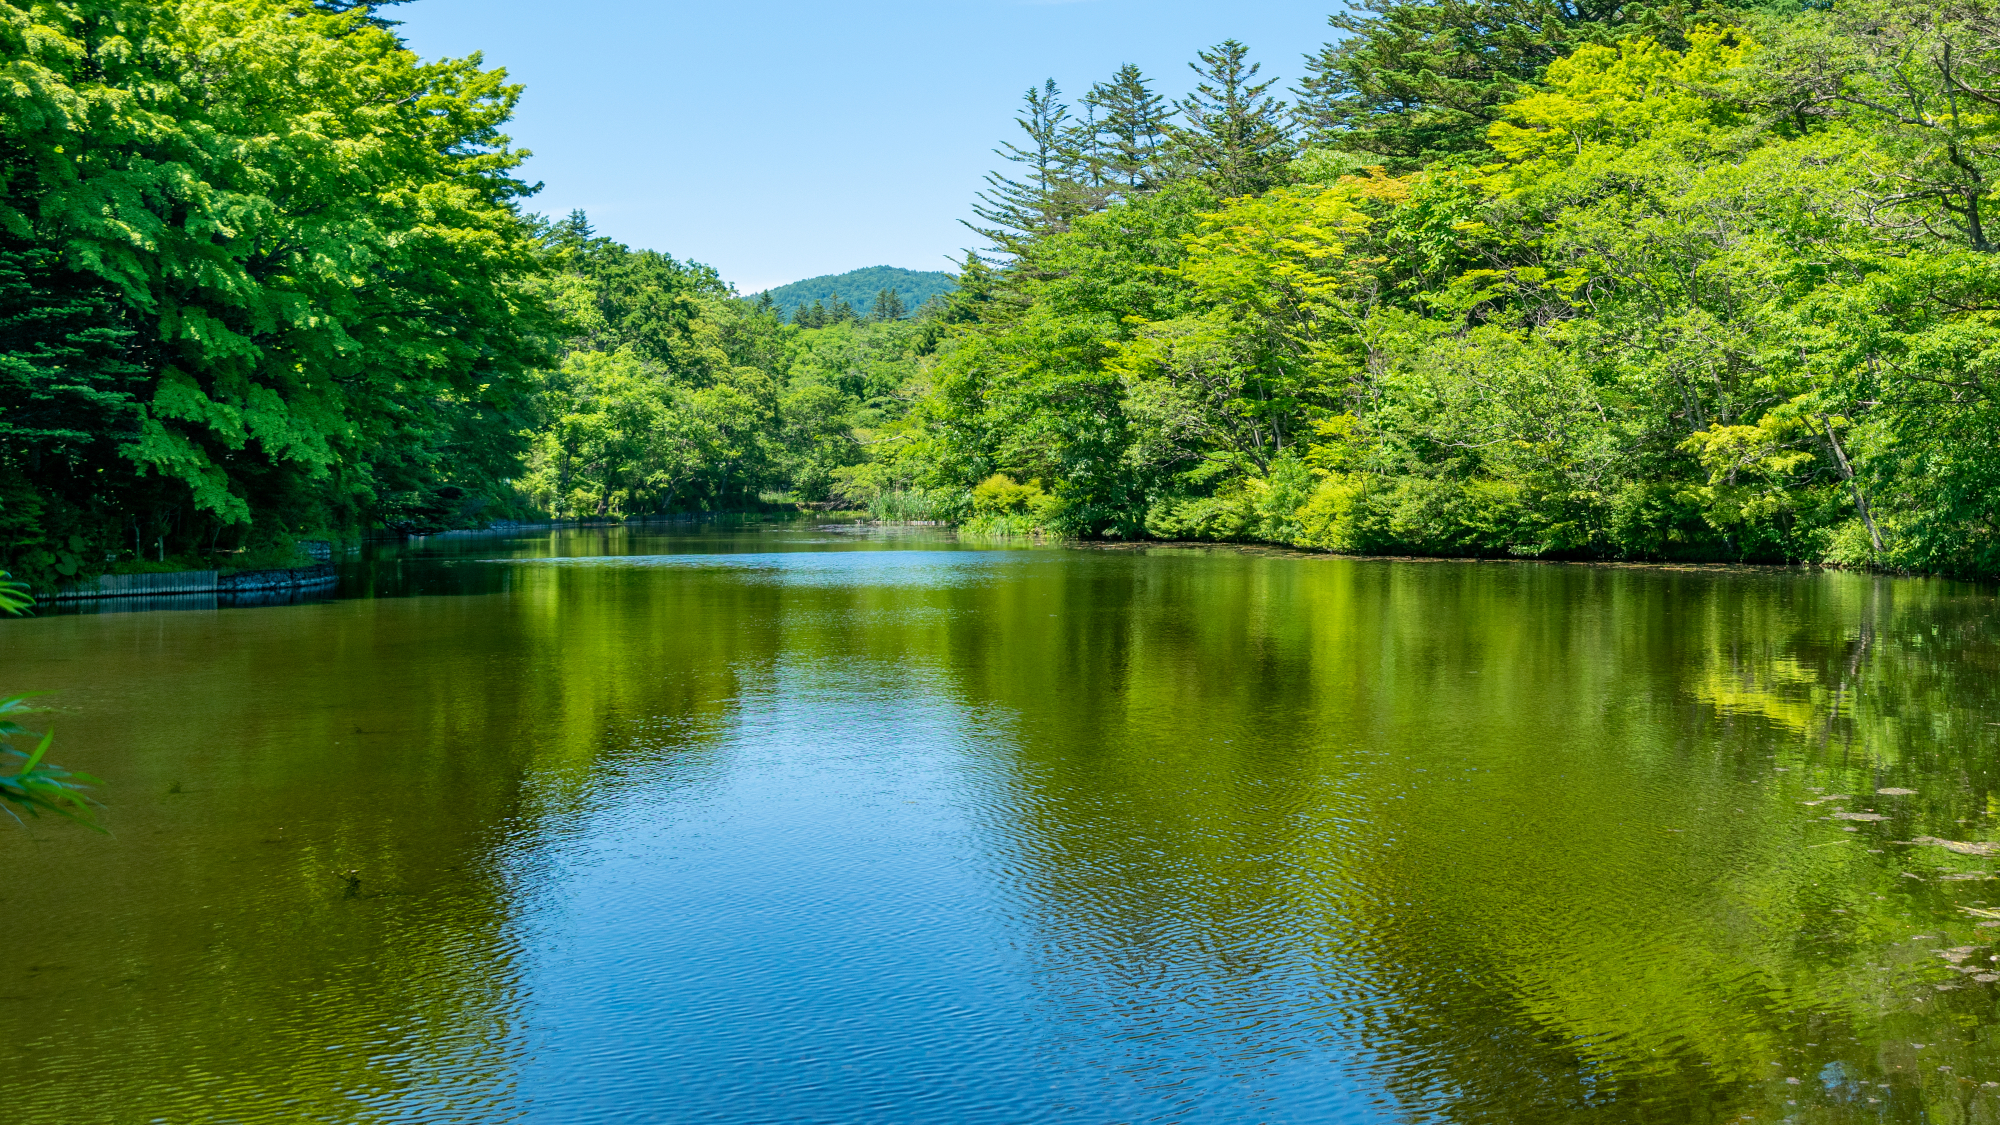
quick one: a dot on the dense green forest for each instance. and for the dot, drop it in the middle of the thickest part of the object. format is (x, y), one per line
(859, 288)
(1507, 278)
(1618, 280)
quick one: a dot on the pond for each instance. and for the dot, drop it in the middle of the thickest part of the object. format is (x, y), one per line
(792, 823)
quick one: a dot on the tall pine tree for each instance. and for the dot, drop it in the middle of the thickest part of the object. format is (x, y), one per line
(1421, 80)
(888, 306)
(1131, 129)
(1054, 188)
(1234, 135)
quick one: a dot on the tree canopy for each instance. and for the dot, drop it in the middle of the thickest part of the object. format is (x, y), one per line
(261, 270)
(1494, 277)
(1544, 280)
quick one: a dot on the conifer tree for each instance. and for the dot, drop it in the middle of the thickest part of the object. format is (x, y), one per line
(1235, 135)
(1052, 194)
(1132, 129)
(1418, 80)
(888, 306)
(1090, 185)
(973, 296)
(368, 6)
(572, 232)
(812, 316)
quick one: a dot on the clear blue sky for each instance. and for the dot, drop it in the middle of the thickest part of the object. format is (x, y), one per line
(780, 140)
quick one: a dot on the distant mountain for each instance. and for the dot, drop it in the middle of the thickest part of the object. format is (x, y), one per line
(858, 288)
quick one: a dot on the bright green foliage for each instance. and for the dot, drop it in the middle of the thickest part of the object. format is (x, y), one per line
(261, 272)
(626, 441)
(1413, 81)
(36, 785)
(1720, 295)
(1003, 506)
(675, 396)
(614, 297)
(1571, 280)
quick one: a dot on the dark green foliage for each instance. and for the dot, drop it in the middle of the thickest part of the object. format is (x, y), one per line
(1232, 134)
(858, 288)
(234, 309)
(1131, 130)
(888, 306)
(1413, 81)
(69, 401)
(368, 9)
(821, 314)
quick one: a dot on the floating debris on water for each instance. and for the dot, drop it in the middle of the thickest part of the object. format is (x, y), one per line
(1895, 792)
(1962, 847)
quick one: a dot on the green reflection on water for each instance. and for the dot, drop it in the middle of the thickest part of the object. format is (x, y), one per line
(1501, 842)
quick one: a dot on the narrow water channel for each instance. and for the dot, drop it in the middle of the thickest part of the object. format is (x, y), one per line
(794, 824)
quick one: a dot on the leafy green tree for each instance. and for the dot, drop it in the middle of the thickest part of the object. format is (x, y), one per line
(301, 304)
(1418, 80)
(1712, 294)
(620, 297)
(1924, 79)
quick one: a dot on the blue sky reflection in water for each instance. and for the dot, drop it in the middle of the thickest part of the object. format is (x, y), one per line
(790, 824)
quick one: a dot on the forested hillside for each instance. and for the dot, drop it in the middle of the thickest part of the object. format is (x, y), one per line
(674, 395)
(265, 275)
(858, 289)
(1517, 279)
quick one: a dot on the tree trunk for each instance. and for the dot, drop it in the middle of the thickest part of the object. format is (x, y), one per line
(1853, 486)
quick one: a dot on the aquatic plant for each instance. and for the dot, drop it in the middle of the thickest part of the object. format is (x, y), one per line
(37, 786)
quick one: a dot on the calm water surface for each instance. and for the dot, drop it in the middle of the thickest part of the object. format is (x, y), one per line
(795, 824)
